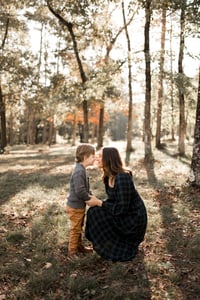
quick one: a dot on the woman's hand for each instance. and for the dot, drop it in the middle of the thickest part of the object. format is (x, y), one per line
(94, 201)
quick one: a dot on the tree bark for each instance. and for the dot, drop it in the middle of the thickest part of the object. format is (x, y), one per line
(101, 127)
(172, 87)
(44, 133)
(194, 178)
(160, 80)
(147, 111)
(3, 120)
(51, 131)
(130, 104)
(2, 99)
(10, 131)
(31, 126)
(181, 141)
(5, 34)
(74, 128)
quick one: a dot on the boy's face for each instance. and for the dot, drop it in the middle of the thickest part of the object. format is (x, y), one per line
(89, 161)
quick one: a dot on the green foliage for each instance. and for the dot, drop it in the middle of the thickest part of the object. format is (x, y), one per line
(44, 84)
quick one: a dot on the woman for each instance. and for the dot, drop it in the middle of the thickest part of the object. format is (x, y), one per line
(116, 226)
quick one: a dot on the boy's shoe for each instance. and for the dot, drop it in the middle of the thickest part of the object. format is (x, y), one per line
(72, 257)
(72, 252)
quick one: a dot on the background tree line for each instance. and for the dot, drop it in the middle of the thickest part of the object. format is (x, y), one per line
(99, 66)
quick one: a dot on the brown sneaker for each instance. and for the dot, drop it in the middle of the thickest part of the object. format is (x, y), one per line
(72, 257)
(72, 252)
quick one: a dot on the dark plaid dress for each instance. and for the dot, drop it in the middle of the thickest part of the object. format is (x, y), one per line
(118, 227)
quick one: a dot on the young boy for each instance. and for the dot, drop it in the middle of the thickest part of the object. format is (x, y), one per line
(79, 193)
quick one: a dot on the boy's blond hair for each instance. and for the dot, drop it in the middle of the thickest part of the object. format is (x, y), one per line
(84, 150)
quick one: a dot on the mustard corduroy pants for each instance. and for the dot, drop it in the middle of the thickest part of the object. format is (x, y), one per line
(76, 217)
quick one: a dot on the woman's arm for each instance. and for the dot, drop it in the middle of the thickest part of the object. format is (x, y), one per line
(94, 201)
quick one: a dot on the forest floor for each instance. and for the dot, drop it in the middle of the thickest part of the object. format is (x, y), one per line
(34, 182)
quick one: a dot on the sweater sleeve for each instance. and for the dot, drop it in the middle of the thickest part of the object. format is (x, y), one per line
(123, 196)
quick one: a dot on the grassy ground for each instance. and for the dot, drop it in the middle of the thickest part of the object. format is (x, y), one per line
(34, 231)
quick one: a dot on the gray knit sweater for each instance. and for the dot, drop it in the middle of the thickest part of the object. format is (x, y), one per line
(79, 187)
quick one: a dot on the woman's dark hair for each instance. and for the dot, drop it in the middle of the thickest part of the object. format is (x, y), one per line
(112, 163)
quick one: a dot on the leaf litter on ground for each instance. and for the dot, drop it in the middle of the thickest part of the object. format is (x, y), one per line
(34, 230)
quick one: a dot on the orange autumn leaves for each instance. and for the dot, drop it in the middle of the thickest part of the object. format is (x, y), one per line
(93, 115)
(76, 116)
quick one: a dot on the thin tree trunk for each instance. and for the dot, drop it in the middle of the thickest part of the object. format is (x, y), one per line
(44, 133)
(51, 131)
(40, 52)
(30, 129)
(194, 177)
(147, 111)
(93, 133)
(3, 120)
(130, 105)
(2, 99)
(74, 129)
(10, 129)
(172, 87)
(101, 127)
(160, 80)
(181, 141)
(5, 34)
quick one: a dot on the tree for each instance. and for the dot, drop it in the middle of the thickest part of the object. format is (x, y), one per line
(112, 40)
(171, 82)
(2, 99)
(194, 178)
(160, 80)
(13, 73)
(130, 110)
(70, 27)
(147, 110)
(181, 141)
(3, 121)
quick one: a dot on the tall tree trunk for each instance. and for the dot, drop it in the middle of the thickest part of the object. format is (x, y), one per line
(181, 141)
(44, 133)
(194, 177)
(3, 139)
(160, 80)
(172, 86)
(101, 127)
(74, 129)
(51, 131)
(31, 126)
(83, 76)
(10, 131)
(93, 133)
(3, 120)
(130, 105)
(147, 110)
(40, 52)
